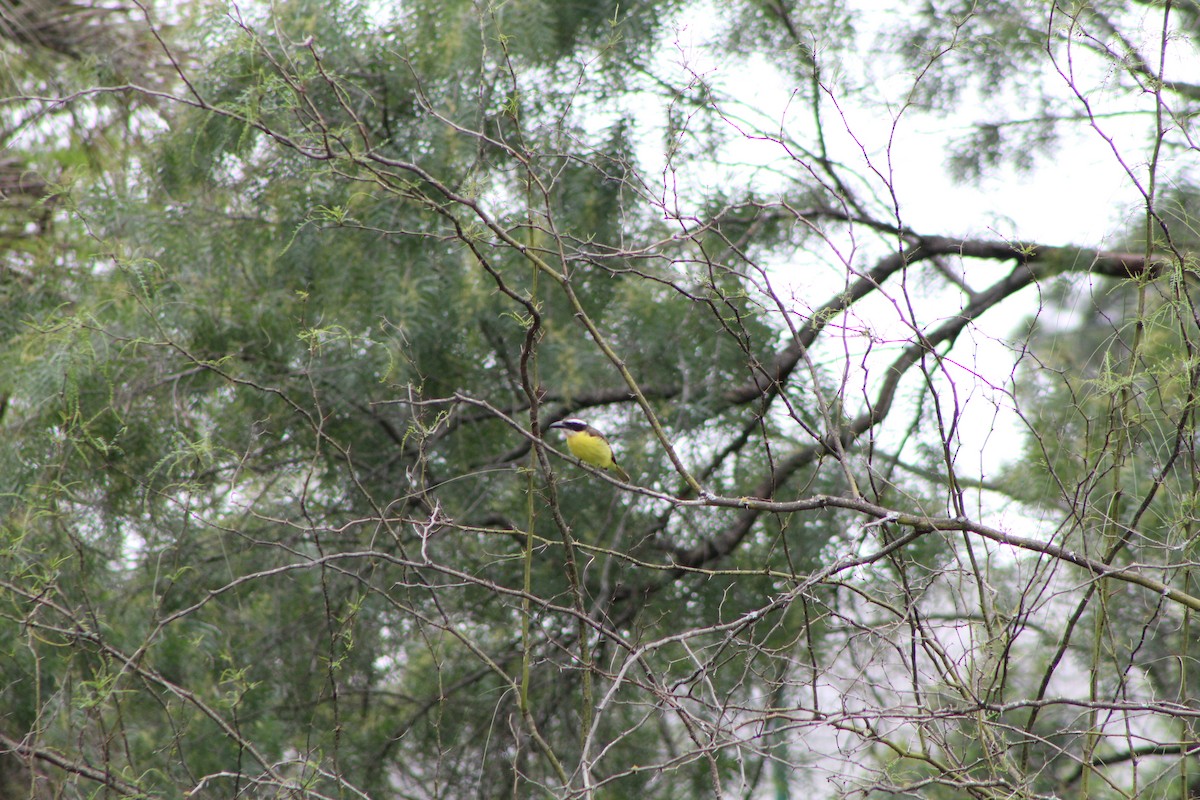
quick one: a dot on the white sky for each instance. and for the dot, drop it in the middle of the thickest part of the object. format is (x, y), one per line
(1079, 194)
(1076, 195)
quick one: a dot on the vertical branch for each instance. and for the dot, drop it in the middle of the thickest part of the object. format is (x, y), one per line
(531, 382)
(1185, 725)
(531, 512)
(1120, 422)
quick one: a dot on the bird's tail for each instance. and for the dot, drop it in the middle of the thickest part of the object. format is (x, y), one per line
(622, 474)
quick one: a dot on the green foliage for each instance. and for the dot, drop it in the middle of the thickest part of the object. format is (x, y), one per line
(281, 514)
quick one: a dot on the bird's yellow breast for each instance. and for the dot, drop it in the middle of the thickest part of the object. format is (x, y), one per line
(592, 449)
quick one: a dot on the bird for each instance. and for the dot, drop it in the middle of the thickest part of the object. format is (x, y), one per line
(589, 446)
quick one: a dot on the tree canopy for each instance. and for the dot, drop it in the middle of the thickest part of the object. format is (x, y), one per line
(292, 293)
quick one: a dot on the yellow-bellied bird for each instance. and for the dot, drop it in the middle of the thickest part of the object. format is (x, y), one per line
(589, 446)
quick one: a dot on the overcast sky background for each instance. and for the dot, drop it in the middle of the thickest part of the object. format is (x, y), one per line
(1077, 194)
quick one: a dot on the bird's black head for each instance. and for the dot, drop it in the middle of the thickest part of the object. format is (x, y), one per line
(570, 424)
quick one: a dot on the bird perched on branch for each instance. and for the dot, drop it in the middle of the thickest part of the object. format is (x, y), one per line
(589, 446)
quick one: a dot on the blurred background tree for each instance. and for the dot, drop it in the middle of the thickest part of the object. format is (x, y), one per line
(293, 292)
